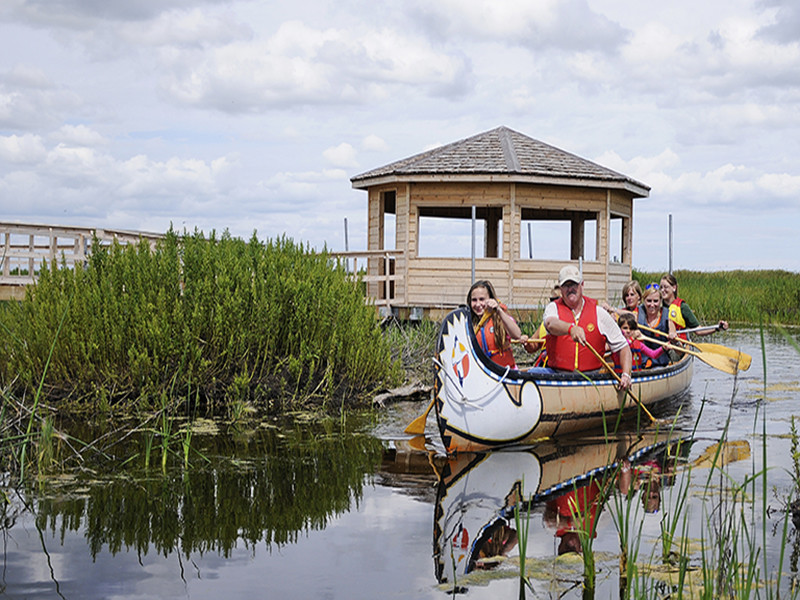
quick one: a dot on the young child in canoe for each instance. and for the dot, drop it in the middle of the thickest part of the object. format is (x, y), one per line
(642, 355)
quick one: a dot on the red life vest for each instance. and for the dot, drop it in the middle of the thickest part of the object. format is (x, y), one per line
(638, 359)
(504, 358)
(566, 355)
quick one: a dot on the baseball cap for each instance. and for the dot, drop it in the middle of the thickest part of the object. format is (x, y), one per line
(569, 273)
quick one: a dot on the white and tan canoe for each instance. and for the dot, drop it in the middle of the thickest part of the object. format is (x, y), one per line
(481, 405)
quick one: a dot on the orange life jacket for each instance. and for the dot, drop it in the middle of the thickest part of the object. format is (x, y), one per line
(486, 339)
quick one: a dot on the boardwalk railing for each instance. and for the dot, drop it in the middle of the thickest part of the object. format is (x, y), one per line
(24, 249)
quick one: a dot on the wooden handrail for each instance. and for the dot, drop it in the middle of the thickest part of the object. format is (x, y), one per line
(24, 247)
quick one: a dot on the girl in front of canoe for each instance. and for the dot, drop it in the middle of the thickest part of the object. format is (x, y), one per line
(655, 317)
(497, 331)
(642, 356)
(631, 296)
(680, 315)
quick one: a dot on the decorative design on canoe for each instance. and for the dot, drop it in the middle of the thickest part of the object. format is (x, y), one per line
(484, 408)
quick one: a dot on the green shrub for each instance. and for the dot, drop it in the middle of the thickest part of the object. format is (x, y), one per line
(209, 315)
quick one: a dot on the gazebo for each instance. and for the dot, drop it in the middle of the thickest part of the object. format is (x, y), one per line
(507, 183)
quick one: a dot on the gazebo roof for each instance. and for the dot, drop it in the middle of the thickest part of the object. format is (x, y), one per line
(500, 154)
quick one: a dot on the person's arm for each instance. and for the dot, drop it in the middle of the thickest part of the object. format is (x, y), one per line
(692, 321)
(512, 329)
(530, 346)
(556, 326)
(626, 362)
(648, 351)
(688, 317)
(617, 343)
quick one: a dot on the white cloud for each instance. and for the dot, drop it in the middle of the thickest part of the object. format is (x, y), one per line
(303, 65)
(234, 113)
(78, 135)
(569, 24)
(343, 155)
(194, 28)
(24, 149)
(374, 143)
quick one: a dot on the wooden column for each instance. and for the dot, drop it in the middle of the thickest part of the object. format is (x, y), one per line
(576, 239)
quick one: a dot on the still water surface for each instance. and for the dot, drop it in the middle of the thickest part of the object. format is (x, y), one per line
(350, 509)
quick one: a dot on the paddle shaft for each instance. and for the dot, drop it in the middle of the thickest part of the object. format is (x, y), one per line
(694, 330)
(619, 380)
(742, 359)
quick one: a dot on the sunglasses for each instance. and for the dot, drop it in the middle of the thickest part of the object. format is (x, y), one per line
(651, 286)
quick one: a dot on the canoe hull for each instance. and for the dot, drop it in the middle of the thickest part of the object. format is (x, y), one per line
(480, 405)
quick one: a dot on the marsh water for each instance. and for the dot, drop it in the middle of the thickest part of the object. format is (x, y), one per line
(309, 507)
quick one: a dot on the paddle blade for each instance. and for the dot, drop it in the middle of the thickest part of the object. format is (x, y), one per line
(723, 453)
(417, 426)
(724, 363)
(742, 358)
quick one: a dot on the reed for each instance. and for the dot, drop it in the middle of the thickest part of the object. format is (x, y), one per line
(740, 296)
(522, 523)
(222, 316)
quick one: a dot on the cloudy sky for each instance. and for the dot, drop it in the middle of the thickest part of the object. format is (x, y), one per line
(243, 115)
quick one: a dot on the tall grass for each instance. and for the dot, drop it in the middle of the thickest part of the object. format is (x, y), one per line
(269, 322)
(741, 296)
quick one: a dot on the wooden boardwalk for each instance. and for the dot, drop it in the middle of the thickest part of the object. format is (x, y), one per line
(26, 247)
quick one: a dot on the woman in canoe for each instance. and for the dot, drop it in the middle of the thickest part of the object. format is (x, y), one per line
(680, 315)
(631, 296)
(498, 329)
(656, 317)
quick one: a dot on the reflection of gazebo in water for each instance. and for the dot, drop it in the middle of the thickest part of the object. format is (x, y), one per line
(511, 183)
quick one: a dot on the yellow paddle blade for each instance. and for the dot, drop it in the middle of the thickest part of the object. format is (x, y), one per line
(742, 358)
(417, 426)
(723, 363)
(723, 453)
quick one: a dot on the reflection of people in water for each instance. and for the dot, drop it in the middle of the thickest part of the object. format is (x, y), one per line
(575, 513)
(495, 542)
(498, 539)
(647, 478)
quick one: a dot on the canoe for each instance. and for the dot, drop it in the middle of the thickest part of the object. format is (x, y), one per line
(478, 493)
(481, 405)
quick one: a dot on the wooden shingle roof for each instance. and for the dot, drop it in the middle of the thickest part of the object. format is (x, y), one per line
(500, 154)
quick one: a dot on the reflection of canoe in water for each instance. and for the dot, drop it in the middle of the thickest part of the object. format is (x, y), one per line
(481, 405)
(478, 491)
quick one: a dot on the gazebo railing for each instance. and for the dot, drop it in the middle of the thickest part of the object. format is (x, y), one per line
(378, 270)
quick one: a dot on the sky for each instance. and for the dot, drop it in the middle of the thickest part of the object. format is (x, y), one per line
(253, 115)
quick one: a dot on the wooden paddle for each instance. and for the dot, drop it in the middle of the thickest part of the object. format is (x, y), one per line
(724, 363)
(417, 426)
(742, 358)
(619, 380)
